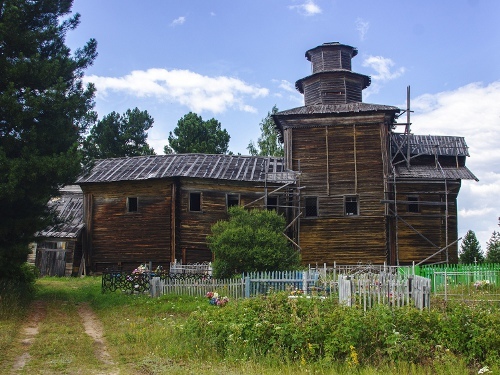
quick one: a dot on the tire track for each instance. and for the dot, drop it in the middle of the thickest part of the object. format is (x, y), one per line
(29, 331)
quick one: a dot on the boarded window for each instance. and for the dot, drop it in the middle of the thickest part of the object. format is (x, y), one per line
(413, 205)
(311, 206)
(132, 204)
(351, 207)
(272, 203)
(232, 200)
(195, 202)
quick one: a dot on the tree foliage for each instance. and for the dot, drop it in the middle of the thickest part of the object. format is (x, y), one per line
(193, 135)
(120, 135)
(470, 249)
(251, 241)
(268, 143)
(493, 248)
(44, 111)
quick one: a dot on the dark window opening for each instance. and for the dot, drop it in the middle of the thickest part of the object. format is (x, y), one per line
(332, 93)
(272, 203)
(311, 206)
(351, 206)
(132, 204)
(232, 200)
(413, 205)
(195, 202)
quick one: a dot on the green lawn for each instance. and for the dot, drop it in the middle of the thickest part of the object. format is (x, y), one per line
(170, 335)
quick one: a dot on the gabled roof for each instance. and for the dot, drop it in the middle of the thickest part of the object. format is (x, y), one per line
(69, 210)
(441, 145)
(221, 167)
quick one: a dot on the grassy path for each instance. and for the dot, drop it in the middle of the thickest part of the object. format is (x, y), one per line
(60, 337)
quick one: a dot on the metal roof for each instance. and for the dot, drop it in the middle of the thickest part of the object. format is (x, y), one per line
(221, 167)
(69, 209)
(337, 108)
(299, 84)
(442, 145)
(434, 173)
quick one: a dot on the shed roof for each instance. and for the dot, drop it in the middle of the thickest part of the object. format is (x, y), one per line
(69, 210)
(432, 172)
(442, 145)
(221, 167)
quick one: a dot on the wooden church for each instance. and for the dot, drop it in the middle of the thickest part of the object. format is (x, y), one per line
(352, 188)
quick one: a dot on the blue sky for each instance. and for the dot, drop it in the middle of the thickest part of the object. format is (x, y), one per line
(234, 60)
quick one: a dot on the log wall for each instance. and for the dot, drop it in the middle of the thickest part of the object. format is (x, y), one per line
(127, 239)
(194, 227)
(428, 222)
(339, 159)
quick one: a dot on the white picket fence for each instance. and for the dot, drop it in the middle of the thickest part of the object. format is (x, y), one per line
(191, 269)
(367, 290)
(198, 287)
(361, 289)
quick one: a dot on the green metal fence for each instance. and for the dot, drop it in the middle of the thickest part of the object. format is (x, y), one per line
(449, 275)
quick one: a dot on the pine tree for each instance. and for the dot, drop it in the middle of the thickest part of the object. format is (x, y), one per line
(470, 249)
(194, 135)
(44, 111)
(493, 248)
(120, 135)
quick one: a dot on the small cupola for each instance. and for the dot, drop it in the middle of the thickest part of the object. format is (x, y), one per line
(332, 81)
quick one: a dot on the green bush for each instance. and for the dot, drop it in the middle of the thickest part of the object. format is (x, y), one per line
(251, 241)
(312, 330)
(16, 293)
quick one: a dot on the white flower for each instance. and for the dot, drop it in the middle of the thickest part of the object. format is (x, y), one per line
(484, 370)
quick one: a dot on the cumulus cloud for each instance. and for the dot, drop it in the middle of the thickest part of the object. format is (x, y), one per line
(285, 85)
(362, 27)
(178, 21)
(384, 72)
(383, 68)
(308, 8)
(289, 89)
(197, 92)
(472, 112)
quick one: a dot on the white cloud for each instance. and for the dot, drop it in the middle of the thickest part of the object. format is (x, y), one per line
(285, 85)
(362, 27)
(471, 111)
(308, 8)
(383, 68)
(178, 21)
(384, 72)
(197, 92)
(293, 95)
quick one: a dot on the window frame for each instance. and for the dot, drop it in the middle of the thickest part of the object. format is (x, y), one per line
(308, 207)
(229, 197)
(274, 206)
(413, 207)
(132, 208)
(190, 201)
(350, 199)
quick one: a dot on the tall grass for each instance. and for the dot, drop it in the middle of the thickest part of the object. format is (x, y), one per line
(185, 335)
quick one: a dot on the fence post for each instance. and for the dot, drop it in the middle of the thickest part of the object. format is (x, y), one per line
(304, 282)
(445, 286)
(247, 287)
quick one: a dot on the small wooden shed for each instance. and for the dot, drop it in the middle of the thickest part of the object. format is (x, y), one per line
(58, 248)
